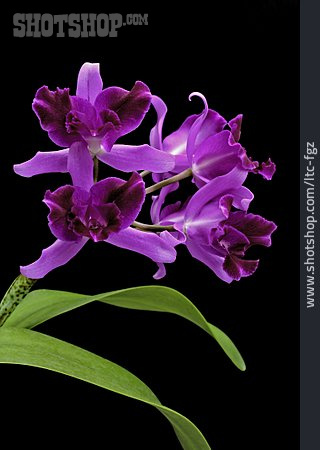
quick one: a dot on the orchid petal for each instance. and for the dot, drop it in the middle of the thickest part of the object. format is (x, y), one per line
(267, 169)
(156, 132)
(242, 197)
(257, 229)
(235, 126)
(233, 240)
(148, 244)
(80, 166)
(237, 268)
(51, 107)
(128, 196)
(216, 187)
(173, 241)
(129, 107)
(60, 204)
(206, 255)
(200, 227)
(173, 215)
(194, 130)
(82, 118)
(54, 256)
(130, 158)
(43, 162)
(89, 82)
(161, 272)
(215, 156)
(158, 201)
(176, 142)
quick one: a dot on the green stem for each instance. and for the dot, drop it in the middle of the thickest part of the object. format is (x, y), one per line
(180, 176)
(96, 169)
(154, 228)
(14, 295)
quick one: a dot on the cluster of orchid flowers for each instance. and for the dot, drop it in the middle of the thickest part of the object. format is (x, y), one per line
(213, 223)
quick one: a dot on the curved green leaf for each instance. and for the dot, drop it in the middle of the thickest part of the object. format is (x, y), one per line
(21, 346)
(41, 305)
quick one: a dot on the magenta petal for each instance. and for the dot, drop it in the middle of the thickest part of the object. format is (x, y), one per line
(206, 255)
(161, 272)
(82, 118)
(129, 199)
(128, 196)
(80, 165)
(237, 268)
(208, 123)
(130, 106)
(60, 204)
(257, 229)
(225, 204)
(181, 163)
(176, 142)
(156, 132)
(52, 107)
(173, 241)
(54, 256)
(267, 169)
(43, 162)
(201, 226)
(148, 244)
(173, 238)
(158, 201)
(234, 241)
(130, 158)
(89, 82)
(235, 126)
(102, 220)
(104, 190)
(216, 156)
(211, 123)
(242, 197)
(226, 184)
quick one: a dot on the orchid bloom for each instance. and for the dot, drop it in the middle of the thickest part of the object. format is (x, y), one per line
(213, 224)
(101, 211)
(96, 117)
(214, 233)
(203, 144)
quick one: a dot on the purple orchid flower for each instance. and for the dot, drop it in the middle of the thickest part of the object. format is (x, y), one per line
(203, 144)
(97, 118)
(101, 211)
(213, 233)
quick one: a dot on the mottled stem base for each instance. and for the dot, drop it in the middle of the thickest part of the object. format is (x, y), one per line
(16, 292)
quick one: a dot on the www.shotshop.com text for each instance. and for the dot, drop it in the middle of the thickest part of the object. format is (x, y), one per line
(311, 223)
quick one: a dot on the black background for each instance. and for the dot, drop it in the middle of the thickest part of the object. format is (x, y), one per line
(243, 57)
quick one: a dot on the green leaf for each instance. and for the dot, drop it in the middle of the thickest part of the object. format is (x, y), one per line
(21, 346)
(41, 305)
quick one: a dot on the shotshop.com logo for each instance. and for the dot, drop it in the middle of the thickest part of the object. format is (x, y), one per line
(73, 25)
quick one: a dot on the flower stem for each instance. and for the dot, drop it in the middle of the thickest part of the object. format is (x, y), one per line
(96, 169)
(154, 228)
(144, 173)
(14, 295)
(180, 176)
